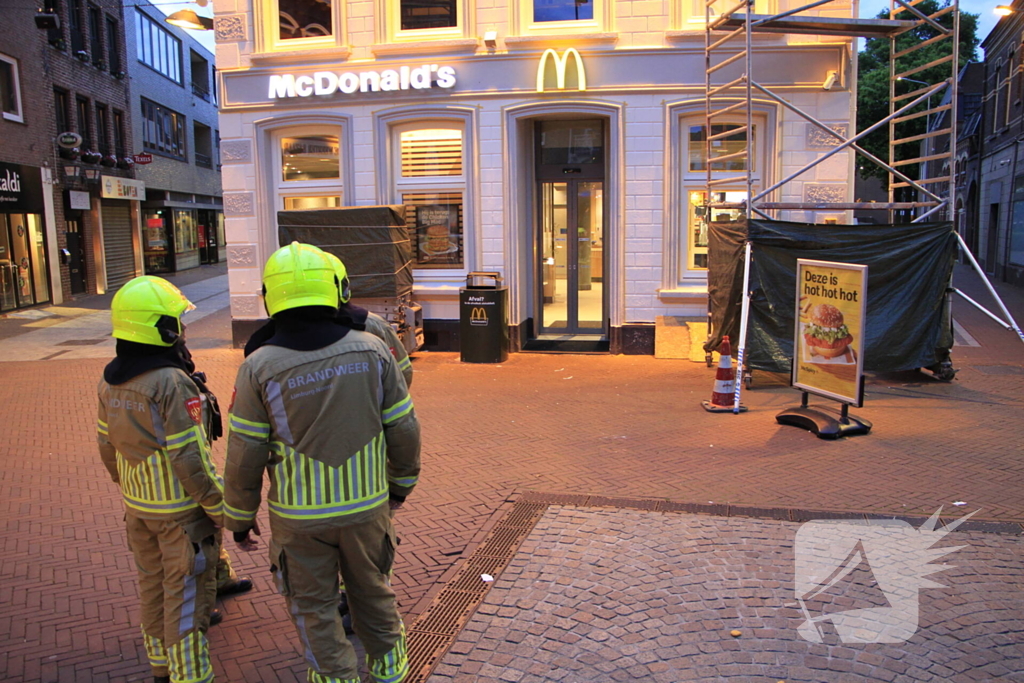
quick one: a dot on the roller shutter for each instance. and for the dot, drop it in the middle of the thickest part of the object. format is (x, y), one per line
(119, 252)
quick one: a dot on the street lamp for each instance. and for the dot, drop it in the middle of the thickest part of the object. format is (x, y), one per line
(1003, 10)
(187, 18)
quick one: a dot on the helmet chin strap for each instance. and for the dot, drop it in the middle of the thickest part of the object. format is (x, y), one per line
(169, 328)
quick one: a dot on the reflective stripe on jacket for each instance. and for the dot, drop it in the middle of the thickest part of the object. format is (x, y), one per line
(381, 328)
(152, 441)
(335, 430)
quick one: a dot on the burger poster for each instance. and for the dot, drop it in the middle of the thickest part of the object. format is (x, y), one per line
(830, 329)
(437, 236)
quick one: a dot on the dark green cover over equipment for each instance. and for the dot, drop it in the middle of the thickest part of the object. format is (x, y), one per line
(909, 270)
(372, 241)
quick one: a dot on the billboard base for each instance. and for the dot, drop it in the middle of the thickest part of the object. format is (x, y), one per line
(827, 423)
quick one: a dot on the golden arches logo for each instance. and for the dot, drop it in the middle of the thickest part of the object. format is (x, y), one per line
(561, 62)
(478, 316)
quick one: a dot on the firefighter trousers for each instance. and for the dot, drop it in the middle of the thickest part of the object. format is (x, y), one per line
(177, 587)
(306, 567)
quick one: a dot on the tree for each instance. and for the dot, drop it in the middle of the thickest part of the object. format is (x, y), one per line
(873, 82)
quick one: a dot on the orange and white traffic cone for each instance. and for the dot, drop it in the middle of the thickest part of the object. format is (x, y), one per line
(725, 382)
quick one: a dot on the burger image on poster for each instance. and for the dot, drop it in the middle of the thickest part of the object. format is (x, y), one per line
(438, 239)
(825, 333)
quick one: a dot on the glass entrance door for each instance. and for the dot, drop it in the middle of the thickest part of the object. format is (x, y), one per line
(570, 227)
(571, 254)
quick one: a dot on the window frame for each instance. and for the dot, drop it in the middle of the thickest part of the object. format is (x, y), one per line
(679, 279)
(102, 121)
(148, 33)
(96, 26)
(320, 187)
(439, 184)
(268, 34)
(18, 115)
(113, 45)
(391, 11)
(523, 23)
(158, 128)
(61, 107)
(83, 122)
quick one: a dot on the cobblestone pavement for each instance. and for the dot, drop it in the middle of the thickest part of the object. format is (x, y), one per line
(630, 595)
(604, 425)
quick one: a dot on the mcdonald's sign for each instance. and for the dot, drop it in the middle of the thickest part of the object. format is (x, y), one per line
(561, 62)
(478, 316)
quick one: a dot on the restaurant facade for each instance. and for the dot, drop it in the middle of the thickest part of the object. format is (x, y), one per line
(560, 144)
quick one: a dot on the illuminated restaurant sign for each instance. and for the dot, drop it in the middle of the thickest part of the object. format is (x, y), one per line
(327, 82)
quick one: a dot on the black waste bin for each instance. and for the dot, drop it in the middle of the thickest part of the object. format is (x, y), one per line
(483, 320)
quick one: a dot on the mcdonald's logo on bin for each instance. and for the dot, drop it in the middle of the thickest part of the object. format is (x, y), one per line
(478, 316)
(560, 63)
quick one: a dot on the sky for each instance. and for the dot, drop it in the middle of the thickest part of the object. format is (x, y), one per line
(983, 8)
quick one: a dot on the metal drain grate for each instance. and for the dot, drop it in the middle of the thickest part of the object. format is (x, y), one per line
(503, 542)
(446, 615)
(425, 649)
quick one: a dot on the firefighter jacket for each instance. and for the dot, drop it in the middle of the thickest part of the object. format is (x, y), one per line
(381, 328)
(334, 428)
(153, 441)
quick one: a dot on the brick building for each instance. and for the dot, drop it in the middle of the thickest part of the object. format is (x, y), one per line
(71, 222)
(174, 120)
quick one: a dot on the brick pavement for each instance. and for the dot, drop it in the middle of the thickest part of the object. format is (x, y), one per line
(614, 426)
(626, 595)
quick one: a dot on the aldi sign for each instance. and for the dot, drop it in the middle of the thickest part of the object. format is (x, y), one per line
(21, 189)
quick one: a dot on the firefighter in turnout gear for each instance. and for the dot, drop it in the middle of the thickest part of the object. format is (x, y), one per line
(352, 316)
(324, 410)
(152, 433)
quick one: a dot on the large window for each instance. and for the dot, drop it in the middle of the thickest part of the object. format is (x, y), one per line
(157, 48)
(726, 139)
(562, 10)
(310, 170)
(163, 130)
(1016, 255)
(431, 183)
(10, 89)
(425, 14)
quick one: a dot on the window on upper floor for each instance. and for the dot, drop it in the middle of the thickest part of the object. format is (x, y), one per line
(562, 16)
(299, 24)
(96, 36)
(84, 121)
(163, 130)
(113, 47)
(203, 137)
(75, 27)
(102, 124)
(157, 48)
(10, 89)
(119, 148)
(60, 106)
(411, 20)
(200, 70)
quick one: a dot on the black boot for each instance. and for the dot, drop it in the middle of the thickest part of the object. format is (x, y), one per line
(216, 616)
(242, 585)
(161, 679)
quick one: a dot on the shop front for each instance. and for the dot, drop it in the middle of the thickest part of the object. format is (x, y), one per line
(522, 163)
(24, 268)
(119, 199)
(177, 239)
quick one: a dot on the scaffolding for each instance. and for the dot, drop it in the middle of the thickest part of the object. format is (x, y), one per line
(919, 165)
